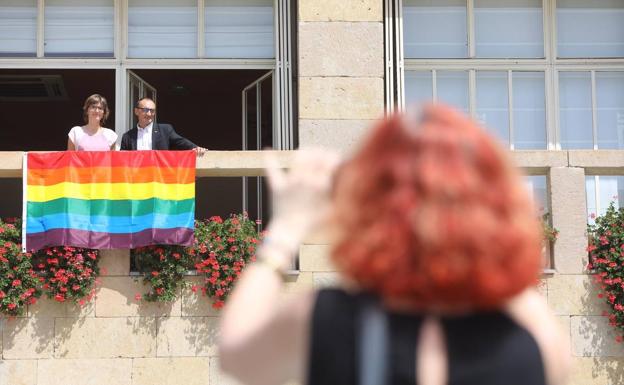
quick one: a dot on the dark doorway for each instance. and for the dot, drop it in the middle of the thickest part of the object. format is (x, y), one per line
(203, 105)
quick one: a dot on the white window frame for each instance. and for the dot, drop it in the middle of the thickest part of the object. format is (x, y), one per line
(550, 65)
(597, 203)
(120, 63)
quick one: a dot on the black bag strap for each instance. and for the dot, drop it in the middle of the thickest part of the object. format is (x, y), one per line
(373, 343)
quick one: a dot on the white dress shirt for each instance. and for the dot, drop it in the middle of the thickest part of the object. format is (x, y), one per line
(144, 137)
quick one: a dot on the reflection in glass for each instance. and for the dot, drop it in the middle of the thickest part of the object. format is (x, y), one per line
(610, 109)
(452, 88)
(418, 87)
(575, 115)
(513, 28)
(162, 29)
(18, 28)
(79, 28)
(529, 110)
(590, 28)
(239, 29)
(493, 103)
(435, 28)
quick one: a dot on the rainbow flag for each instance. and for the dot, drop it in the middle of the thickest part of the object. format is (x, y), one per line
(108, 199)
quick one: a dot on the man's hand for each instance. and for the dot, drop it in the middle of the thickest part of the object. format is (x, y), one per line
(200, 151)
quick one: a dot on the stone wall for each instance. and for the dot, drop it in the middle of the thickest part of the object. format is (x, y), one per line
(116, 340)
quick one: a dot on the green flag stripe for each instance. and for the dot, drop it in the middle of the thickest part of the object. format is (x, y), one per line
(110, 207)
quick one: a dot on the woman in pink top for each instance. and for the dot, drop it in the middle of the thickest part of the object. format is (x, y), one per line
(92, 136)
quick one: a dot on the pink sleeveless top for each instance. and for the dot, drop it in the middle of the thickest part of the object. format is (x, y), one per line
(101, 141)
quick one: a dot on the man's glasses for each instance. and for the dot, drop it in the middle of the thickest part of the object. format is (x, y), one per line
(146, 110)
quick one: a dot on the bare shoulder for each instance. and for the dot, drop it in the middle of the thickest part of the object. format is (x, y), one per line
(530, 310)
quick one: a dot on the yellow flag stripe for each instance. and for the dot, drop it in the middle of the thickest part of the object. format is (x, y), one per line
(113, 191)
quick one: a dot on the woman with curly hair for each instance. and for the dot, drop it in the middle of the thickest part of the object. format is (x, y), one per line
(439, 247)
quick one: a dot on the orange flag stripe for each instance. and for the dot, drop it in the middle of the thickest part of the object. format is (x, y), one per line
(52, 176)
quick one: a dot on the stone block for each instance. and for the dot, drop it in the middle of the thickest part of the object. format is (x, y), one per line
(326, 279)
(342, 135)
(171, 371)
(343, 10)
(195, 304)
(341, 49)
(569, 216)
(77, 311)
(592, 336)
(47, 308)
(27, 338)
(18, 372)
(115, 262)
(341, 98)
(315, 258)
(538, 162)
(105, 337)
(574, 295)
(596, 370)
(564, 324)
(598, 161)
(116, 371)
(187, 336)
(217, 377)
(116, 298)
(298, 282)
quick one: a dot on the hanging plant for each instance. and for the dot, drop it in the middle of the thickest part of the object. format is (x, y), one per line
(19, 283)
(224, 248)
(606, 263)
(69, 273)
(550, 233)
(163, 268)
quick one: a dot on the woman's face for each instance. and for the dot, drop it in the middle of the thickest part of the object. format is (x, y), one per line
(95, 112)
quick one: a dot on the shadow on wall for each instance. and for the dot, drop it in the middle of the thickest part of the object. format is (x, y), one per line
(596, 338)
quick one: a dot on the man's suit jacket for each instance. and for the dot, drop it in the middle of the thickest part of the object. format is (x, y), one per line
(164, 137)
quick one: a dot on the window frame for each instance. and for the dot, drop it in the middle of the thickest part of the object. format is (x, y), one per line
(550, 65)
(282, 63)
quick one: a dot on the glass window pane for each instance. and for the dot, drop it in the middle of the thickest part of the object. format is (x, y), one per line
(575, 115)
(529, 110)
(536, 185)
(610, 109)
(162, 29)
(509, 29)
(418, 87)
(452, 88)
(18, 28)
(590, 28)
(590, 193)
(611, 190)
(79, 28)
(435, 28)
(493, 103)
(239, 29)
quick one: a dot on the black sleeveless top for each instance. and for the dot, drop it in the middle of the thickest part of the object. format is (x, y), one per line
(486, 348)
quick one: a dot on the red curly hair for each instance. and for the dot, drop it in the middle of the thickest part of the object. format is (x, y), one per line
(433, 213)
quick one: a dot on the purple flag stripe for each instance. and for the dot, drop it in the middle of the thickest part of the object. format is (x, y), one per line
(97, 240)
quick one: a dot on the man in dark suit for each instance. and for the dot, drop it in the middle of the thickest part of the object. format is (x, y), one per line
(149, 135)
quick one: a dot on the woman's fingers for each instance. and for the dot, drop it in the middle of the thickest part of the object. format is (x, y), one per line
(275, 175)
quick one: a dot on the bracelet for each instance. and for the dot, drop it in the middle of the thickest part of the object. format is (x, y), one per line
(274, 265)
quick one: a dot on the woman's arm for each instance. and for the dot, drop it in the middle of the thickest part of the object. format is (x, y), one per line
(70, 145)
(530, 310)
(264, 337)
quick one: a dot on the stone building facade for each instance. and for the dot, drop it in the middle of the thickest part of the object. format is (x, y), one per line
(342, 88)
